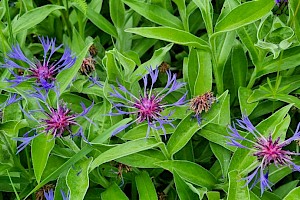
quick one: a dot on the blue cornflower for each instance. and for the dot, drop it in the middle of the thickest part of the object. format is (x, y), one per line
(44, 72)
(58, 120)
(266, 150)
(50, 195)
(13, 98)
(148, 106)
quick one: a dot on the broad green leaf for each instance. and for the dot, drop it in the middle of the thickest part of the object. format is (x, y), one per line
(61, 185)
(144, 159)
(223, 155)
(237, 189)
(213, 195)
(154, 13)
(78, 179)
(247, 35)
(113, 192)
(247, 13)
(170, 35)
(183, 190)
(203, 81)
(199, 191)
(145, 186)
(195, 174)
(187, 127)
(216, 133)
(294, 194)
(239, 66)
(283, 190)
(117, 13)
(206, 9)
(101, 22)
(33, 17)
(40, 150)
(245, 106)
(124, 149)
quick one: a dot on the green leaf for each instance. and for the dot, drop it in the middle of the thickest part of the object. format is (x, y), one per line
(145, 186)
(117, 13)
(247, 13)
(223, 155)
(124, 149)
(154, 13)
(82, 5)
(170, 35)
(239, 66)
(203, 81)
(283, 190)
(113, 192)
(294, 194)
(33, 17)
(195, 174)
(78, 179)
(237, 189)
(187, 127)
(144, 159)
(245, 106)
(101, 22)
(183, 190)
(206, 9)
(294, 21)
(40, 150)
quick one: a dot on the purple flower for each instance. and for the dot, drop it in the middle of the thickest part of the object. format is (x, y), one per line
(43, 72)
(149, 105)
(49, 195)
(57, 121)
(266, 150)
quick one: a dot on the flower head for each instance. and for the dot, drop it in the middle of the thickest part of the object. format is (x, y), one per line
(265, 149)
(43, 72)
(202, 103)
(57, 121)
(148, 106)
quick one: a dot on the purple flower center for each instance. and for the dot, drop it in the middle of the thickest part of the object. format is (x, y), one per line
(148, 108)
(59, 121)
(42, 72)
(270, 152)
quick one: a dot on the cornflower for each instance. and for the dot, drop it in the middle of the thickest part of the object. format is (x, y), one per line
(43, 72)
(148, 106)
(50, 195)
(58, 120)
(266, 150)
(202, 103)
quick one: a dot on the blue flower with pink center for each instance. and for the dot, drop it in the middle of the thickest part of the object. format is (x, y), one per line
(43, 72)
(147, 107)
(265, 149)
(58, 121)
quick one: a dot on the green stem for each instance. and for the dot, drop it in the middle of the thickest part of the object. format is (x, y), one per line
(166, 190)
(162, 147)
(65, 17)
